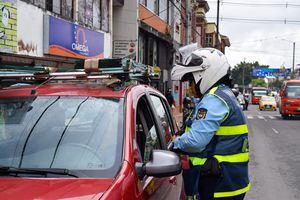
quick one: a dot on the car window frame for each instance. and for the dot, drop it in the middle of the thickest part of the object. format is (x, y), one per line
(167, 109)
(145, 97)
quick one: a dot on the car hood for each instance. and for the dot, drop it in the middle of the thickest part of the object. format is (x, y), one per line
(33, 188)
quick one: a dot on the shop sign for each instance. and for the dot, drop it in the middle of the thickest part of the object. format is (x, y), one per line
(124, 48)
(8, 26)
(71, 40)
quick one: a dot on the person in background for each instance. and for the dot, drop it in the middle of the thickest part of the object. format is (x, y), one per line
(170, 99)
(247, 100)
(217, 139)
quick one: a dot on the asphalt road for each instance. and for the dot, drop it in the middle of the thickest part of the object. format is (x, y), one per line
(274, 156)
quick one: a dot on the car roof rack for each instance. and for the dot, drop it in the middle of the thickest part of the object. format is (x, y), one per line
(124, 69)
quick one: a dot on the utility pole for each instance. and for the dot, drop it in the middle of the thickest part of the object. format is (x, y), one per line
(294, 44)
(188, 14)
(218, 13)
(244, 76)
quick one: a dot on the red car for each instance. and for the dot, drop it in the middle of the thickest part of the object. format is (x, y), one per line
(84, 140)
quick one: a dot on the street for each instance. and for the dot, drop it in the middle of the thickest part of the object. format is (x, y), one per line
(274, 157)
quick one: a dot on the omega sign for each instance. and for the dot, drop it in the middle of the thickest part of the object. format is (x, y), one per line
(80, 41)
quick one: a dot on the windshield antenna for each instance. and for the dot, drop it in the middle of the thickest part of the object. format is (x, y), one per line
(33, 91)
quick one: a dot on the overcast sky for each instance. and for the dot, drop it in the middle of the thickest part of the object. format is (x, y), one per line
(269, 43)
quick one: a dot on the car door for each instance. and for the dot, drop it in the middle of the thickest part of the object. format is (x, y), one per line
(165, 119)
(148, 138)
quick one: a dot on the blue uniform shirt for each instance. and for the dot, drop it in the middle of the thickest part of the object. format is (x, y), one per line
(207, 118)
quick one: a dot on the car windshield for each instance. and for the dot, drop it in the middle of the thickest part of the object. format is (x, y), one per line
(75, 133)
(293, 91)
(267, 98)
(259, 93)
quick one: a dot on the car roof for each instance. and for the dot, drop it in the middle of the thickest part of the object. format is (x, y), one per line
(64, 89)
(293, 81)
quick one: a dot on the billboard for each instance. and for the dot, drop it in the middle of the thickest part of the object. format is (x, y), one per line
(263, 72)
(71, 40)
(8, 26)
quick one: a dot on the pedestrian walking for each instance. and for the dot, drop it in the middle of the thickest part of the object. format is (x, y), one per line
(217, 139)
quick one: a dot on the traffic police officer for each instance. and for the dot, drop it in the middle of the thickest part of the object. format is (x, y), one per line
(217, 140)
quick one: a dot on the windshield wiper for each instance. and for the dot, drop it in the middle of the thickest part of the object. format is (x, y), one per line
(41, 171)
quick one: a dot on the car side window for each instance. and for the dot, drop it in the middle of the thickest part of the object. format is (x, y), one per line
(160, 108)
(146, 131)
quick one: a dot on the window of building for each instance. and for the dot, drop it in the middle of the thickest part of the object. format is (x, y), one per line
(94, 13)
(63, 8)
(208, 40)
(105, 15)
(163, 9)
(177, 27)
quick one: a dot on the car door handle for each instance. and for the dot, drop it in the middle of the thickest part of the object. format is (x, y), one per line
(173, 180)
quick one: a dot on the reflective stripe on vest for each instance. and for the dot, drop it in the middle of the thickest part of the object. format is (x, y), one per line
(232, 130)
(232, 193)
(187, 129)
(235, 158)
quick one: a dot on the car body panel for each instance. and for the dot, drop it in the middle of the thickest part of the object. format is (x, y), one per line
(56, 89)
(53, 188)
(126, 185)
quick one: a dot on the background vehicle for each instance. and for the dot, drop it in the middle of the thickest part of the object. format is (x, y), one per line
(267, 103)
(90, 137)
(256, 93)
(290, 98)
(241, 100)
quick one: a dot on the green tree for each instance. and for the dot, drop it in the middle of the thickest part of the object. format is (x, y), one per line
(258, 82)
(244, 69)
(276, 85)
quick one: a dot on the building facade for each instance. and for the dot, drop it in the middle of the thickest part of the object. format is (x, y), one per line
(61, 30)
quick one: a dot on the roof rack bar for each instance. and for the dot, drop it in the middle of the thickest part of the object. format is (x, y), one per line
(123, 69)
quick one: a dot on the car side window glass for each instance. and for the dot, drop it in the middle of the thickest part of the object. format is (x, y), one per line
(146, 131)
(159, 106)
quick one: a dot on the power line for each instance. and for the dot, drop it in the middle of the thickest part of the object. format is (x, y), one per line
(261, 4)
(264, 39)
(253, 20)
(261, 52)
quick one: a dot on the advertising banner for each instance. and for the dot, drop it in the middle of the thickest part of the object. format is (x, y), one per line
(8, 26)
(263, 72)
(71, 40)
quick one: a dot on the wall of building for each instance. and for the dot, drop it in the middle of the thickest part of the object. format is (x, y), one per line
(177, 22)
(125, 28)
(30, 18)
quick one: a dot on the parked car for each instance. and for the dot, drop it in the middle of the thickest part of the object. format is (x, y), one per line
(83, 139)
(267, 103)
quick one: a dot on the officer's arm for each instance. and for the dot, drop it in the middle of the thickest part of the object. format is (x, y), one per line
(208, 117)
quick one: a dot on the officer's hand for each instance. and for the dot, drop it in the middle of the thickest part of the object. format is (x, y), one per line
(174, 137)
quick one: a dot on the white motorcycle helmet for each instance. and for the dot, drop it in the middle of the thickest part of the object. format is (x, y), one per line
(207, 65)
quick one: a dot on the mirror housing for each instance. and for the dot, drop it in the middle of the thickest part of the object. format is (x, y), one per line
(162, 164)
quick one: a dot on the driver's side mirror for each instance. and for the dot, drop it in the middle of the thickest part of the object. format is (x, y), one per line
(162, 164)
